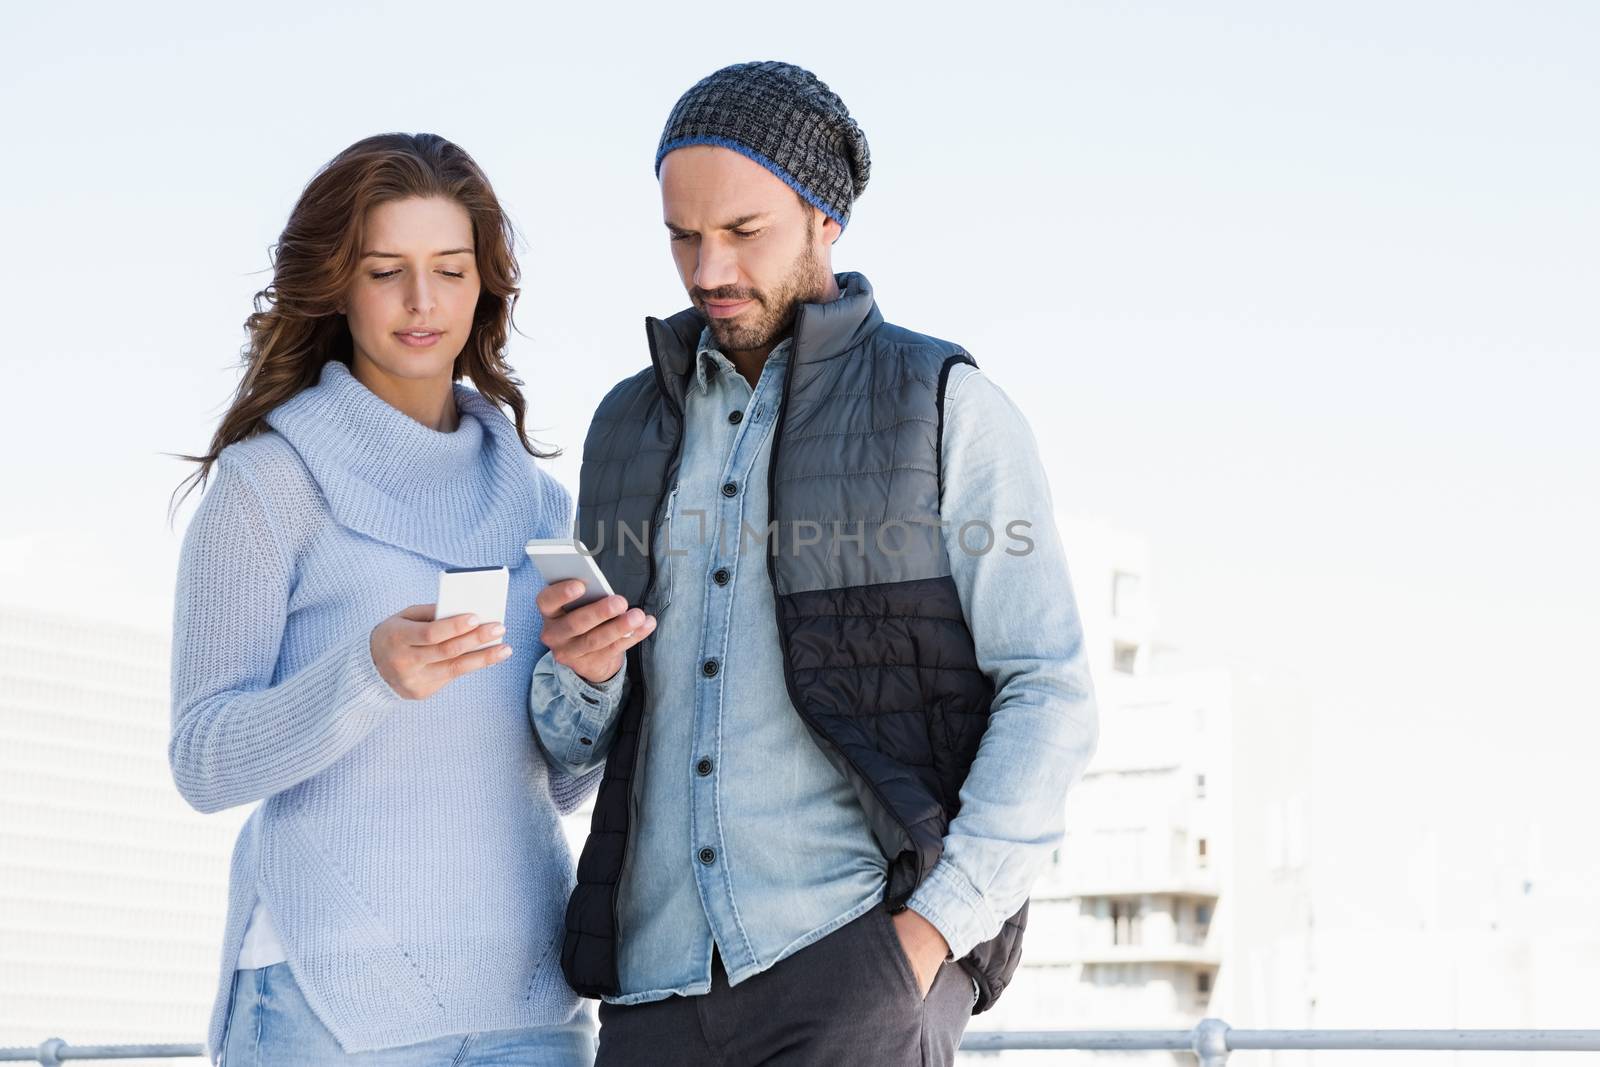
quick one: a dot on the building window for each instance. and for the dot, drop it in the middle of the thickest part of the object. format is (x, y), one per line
(1202, 983)
(1200, 854)
(1124, 657)
(1124, 595)
(1202, 915)
(1199, 787)
(1124, 922)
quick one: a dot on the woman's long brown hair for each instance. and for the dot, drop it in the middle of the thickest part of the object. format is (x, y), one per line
(296, 327)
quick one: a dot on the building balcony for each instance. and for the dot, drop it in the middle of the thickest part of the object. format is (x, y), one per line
(1187, 888)
(1175, 954)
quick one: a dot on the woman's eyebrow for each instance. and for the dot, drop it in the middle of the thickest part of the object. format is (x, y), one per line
(397, 255)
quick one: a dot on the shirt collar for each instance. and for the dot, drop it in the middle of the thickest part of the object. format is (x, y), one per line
(709, 360)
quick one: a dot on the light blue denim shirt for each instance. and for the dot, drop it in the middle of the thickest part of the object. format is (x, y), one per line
(732, 768)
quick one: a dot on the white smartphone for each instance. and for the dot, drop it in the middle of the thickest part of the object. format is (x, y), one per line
(561, 559)
(479, 591)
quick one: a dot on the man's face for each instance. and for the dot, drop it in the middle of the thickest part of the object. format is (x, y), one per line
(748, 249)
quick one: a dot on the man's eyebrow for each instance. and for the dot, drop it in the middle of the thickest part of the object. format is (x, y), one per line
(733, 224)
(396, 255)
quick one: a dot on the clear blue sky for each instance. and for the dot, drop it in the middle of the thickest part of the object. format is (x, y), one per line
(1305, 293)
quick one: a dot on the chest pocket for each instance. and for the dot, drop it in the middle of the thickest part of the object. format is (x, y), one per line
(666, 564)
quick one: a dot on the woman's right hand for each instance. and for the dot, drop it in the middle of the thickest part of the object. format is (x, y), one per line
(418, 656)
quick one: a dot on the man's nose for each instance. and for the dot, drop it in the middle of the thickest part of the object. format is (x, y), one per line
(717, 267)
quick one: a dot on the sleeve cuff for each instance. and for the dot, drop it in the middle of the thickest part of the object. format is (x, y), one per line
(957, 910)
(370, 686)
(606, 694)
(596, 704)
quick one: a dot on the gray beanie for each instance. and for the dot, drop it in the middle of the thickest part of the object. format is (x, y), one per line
(782, 117)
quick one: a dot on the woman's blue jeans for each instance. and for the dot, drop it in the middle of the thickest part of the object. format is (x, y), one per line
(271, 1025)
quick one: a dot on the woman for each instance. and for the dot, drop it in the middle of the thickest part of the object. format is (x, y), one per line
(397, 897)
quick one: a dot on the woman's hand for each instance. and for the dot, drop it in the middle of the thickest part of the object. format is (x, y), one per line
(419, 656)
(592, 639)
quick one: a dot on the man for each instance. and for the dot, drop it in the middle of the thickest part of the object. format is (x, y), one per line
(838, 763)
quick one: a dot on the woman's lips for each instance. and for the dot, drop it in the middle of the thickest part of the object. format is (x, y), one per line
(425, 339)
(726, 310)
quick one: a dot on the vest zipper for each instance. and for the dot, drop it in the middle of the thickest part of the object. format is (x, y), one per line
(777, 607)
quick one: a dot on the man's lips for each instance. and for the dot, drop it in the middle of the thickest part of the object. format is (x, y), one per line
(722, 309)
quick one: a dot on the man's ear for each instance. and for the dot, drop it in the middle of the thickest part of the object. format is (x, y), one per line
(831, 231)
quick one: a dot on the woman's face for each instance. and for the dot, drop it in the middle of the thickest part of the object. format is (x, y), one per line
(410, 306)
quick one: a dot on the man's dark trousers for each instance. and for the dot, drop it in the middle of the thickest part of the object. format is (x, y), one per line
(850, 998)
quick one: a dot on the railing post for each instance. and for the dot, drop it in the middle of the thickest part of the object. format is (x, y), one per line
(1211, 1043)
(50, 1052)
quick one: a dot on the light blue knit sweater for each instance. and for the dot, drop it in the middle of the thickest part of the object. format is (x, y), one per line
(409, 851)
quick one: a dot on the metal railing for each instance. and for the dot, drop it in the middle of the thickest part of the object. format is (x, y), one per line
(56, 1051)
(1211, 1041)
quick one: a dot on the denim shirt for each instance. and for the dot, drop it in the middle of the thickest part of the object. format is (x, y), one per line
(748, 839)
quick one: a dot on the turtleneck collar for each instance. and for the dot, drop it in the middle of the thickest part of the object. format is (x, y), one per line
(466, 498)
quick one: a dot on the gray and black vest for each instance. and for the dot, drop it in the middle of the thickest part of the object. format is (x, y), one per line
(878, 659)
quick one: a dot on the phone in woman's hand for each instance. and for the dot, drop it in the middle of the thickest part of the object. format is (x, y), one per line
(479, 591)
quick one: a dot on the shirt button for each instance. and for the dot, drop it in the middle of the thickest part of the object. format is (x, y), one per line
(722, 576)
(703, 768)
(709, 668)
(735, 417)
(730, 489)
(708, 856)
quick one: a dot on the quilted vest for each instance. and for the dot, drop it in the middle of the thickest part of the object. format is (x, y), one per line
(878, 659)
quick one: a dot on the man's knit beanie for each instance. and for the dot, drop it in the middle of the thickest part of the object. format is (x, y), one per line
(783, 118)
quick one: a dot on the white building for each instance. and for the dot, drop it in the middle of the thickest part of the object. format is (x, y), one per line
(112, 891)
(1130, 926)
(1412, 916)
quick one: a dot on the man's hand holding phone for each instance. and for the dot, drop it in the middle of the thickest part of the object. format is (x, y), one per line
(592, 639)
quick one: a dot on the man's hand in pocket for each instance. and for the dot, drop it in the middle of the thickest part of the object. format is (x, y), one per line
(924, 946)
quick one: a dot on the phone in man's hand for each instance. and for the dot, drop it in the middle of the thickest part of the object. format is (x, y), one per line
(562, 559)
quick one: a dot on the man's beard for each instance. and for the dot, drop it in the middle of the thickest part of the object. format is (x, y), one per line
(774, 313)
